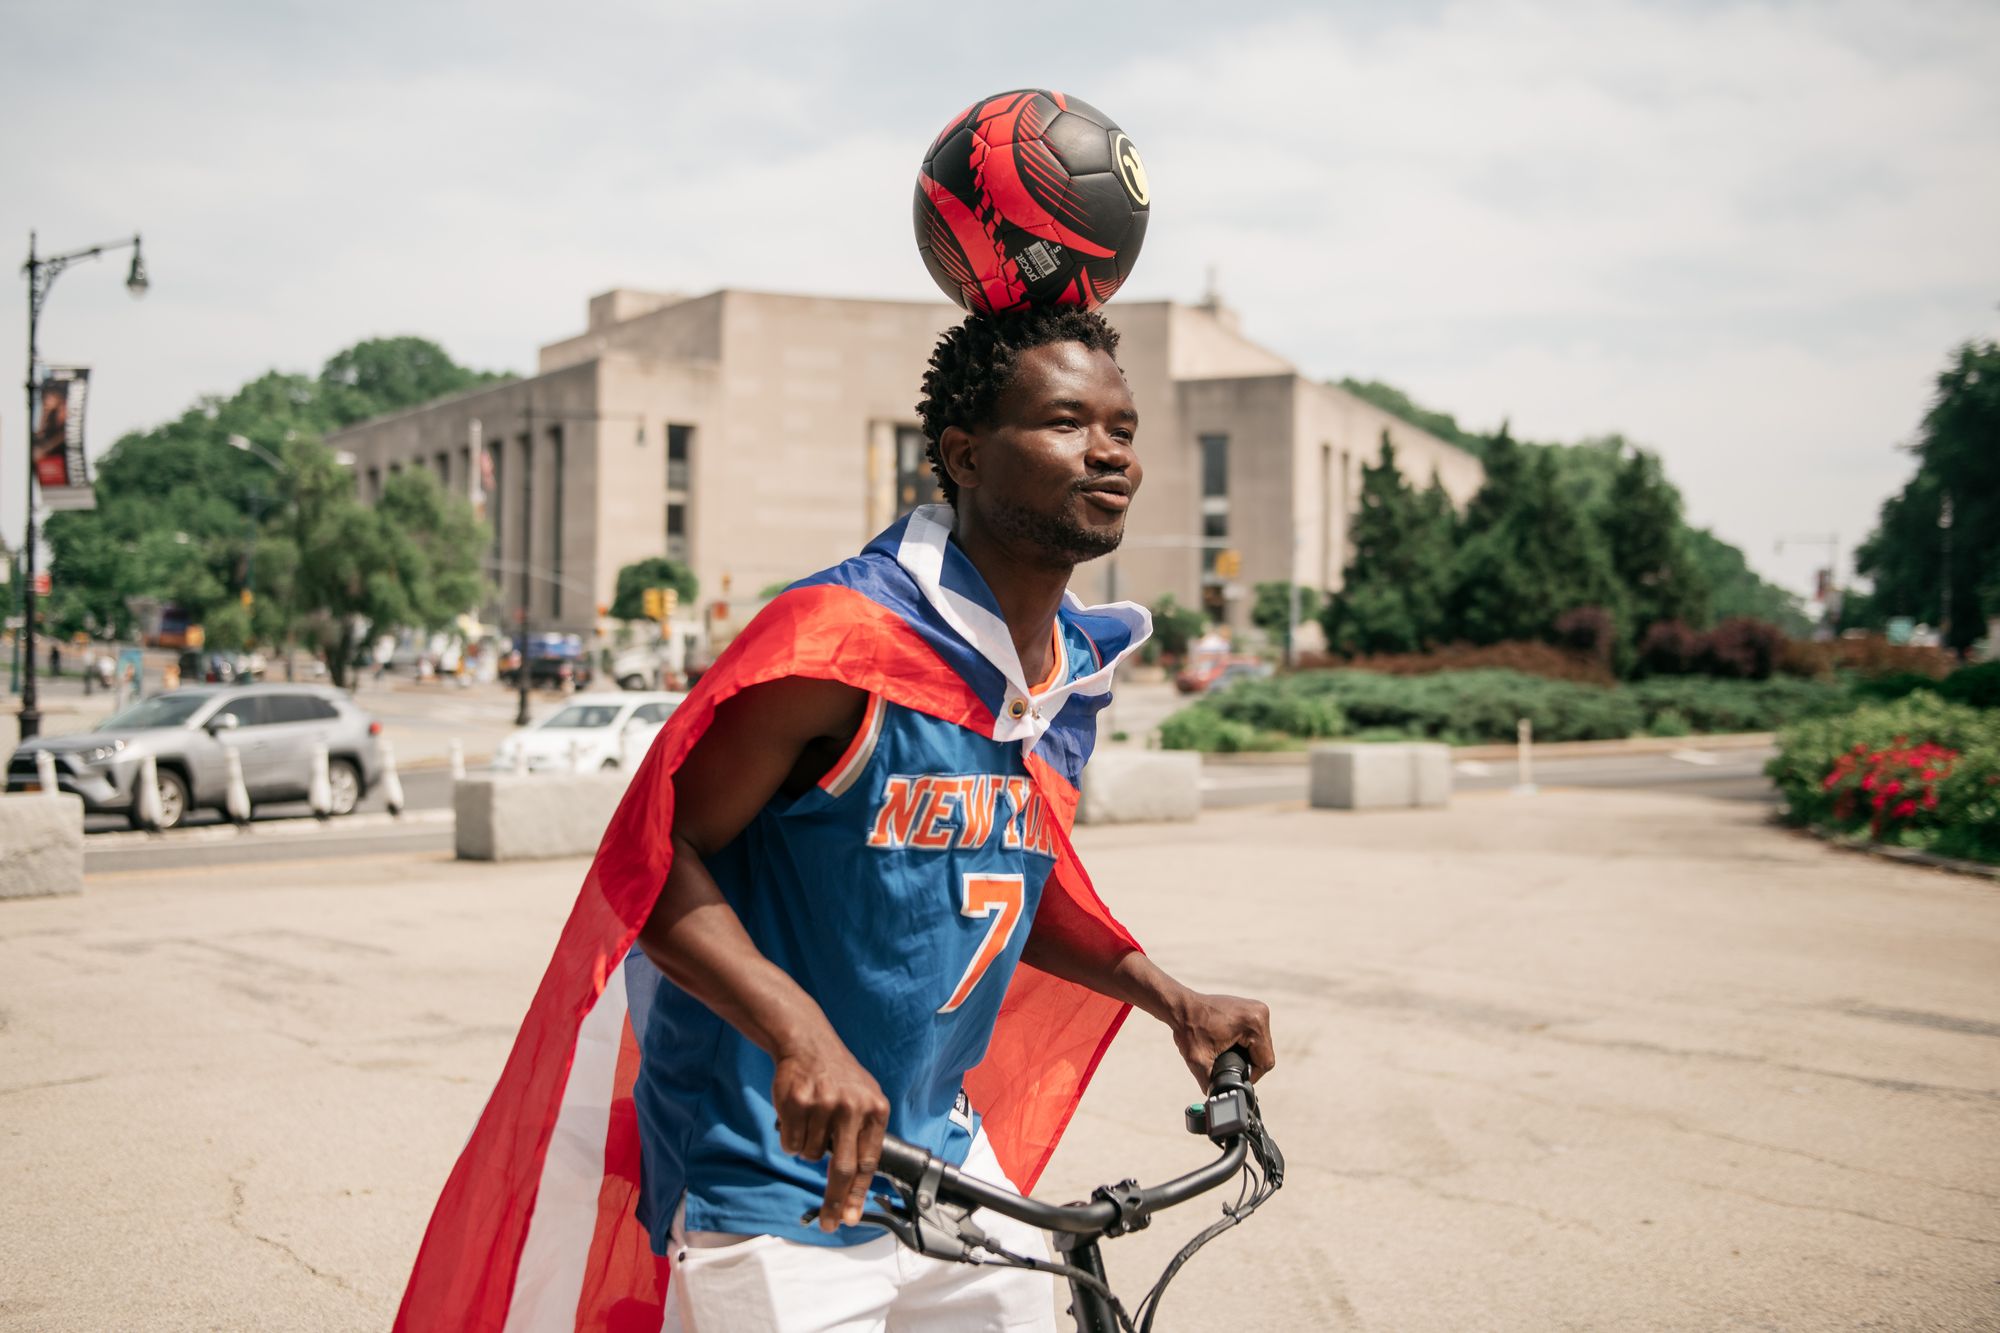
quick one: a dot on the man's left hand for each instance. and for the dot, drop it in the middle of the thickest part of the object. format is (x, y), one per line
(1207, 1025)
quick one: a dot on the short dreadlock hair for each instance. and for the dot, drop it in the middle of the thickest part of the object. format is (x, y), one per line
(974, 361)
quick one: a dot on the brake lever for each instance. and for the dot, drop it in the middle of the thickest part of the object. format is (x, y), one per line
(941, 1231)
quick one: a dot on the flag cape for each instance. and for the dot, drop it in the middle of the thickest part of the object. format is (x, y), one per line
(535, 1230)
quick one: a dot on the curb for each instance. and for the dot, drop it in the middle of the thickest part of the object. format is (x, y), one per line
(1849, 842)
(1745, 740)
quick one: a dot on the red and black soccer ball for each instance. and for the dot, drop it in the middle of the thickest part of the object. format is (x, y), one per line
(1031, 198)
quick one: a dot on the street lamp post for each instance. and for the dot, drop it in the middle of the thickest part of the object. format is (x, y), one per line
(42, 272)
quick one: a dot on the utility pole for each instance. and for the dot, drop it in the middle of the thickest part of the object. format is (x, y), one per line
(1944, 572)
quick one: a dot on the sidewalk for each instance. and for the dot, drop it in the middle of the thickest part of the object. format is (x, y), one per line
(1586, 1060)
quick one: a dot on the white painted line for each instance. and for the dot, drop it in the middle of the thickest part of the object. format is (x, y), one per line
(300, 827)
(1702, 757)
(1473, 768)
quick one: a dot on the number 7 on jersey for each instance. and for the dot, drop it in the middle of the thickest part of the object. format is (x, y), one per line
(997, 896)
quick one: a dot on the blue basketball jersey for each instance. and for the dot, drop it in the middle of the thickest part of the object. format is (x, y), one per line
(899, 893)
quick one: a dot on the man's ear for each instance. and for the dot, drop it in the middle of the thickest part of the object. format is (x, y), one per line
(960, 452)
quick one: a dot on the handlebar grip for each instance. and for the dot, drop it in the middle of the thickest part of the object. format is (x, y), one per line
(902, 1161)
(1231, 1070)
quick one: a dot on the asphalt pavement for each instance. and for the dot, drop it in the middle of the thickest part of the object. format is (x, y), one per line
(1595, 1060)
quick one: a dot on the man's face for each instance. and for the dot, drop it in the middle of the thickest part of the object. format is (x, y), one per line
(1055, 469)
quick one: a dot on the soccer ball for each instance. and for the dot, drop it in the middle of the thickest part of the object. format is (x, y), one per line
(1031, 198)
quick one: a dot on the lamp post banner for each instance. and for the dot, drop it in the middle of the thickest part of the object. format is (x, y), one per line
(60, 466)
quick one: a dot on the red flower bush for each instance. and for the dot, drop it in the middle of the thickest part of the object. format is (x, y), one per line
(1890, 788)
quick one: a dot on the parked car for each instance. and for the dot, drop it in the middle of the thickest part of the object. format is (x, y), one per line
(272, 728)
(1201, 677)
(644, 668)
(590, 732)
(554, 661)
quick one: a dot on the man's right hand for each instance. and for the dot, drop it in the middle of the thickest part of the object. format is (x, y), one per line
(829, 1106)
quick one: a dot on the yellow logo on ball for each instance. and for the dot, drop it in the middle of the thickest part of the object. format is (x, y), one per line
(1130, 169)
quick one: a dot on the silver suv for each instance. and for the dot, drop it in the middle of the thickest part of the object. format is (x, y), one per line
(272, 727)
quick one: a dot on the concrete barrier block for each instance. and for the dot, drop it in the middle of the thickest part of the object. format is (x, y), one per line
(1122, 786)
(504, 817)
(1380, 777)
(41, 845)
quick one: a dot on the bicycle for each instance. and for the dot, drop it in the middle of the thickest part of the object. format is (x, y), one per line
(932, 1212)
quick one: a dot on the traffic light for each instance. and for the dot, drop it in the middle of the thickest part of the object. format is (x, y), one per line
(249, 599)
(655, 604)
(670, 602)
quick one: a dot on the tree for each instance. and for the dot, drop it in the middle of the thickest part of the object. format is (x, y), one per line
(1272, 609)
(1175, 627)
(387, 374)
(628, 602)
(1397, 403)
(411, 559)
(1649, 548)
(1393, 593)
(1736, 590)
(184, 518)
(1915, 561)
(1529, 552)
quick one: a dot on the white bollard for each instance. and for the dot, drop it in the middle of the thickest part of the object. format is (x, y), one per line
(392, 782)
(521, 761)
(630, 752)
(576, 756)
(237, 799)
(146, 800)
(45, 773)
(319, 792)
(1524, 745)
(457, 761)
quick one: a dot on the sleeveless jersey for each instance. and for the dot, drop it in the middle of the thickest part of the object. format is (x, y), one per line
(899, 893)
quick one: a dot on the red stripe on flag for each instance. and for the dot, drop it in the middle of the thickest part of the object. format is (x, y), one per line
(624, 1282)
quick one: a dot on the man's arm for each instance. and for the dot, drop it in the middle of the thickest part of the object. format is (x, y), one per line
(779, 736)
(1069, 943)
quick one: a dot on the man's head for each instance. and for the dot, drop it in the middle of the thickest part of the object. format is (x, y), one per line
(1032, 430)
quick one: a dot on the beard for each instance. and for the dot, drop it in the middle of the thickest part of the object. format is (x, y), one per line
(1058, 539)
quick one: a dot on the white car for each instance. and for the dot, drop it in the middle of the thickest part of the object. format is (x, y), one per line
(590, 732)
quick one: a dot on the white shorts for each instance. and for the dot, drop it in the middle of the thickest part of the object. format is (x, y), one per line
(766, 1284)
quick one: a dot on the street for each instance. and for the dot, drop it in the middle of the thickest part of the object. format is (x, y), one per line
(1599, 1059)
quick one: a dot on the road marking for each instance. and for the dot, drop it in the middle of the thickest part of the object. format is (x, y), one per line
(1474, 768)
(1702, 757)
(300, 827)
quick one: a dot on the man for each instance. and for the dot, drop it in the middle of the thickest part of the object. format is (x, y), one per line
(831, 863)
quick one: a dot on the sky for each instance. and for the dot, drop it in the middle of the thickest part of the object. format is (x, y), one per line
(1747, 236)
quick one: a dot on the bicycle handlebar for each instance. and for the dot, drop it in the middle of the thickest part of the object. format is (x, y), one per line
(919, 1170)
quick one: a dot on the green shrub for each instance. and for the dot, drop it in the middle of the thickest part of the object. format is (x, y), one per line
(1200, 727)
(1271, 705)
(1712, 706)
(1978, 686)
(1895, 685)
(1668, 722)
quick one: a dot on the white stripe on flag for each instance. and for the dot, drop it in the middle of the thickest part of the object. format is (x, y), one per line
(550, 1279)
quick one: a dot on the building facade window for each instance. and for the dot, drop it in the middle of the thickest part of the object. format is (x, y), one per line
(556, 521)
(916, 484)
(444, 468)
(1214, 522)
(680, 442)
(374, 485)
(465, 468)
(677, 540)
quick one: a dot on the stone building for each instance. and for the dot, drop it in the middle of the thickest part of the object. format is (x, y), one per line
(759, 437)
